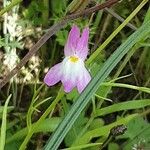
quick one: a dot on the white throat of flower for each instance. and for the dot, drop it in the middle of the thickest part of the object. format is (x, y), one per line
(72, 66)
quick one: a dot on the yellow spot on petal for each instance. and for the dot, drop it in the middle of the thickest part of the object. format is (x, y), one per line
(73, 59)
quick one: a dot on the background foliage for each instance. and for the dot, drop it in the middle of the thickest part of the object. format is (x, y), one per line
(112, 112)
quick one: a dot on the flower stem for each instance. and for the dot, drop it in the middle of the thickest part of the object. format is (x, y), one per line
(24, 144)
(10, 6)
(48, 110)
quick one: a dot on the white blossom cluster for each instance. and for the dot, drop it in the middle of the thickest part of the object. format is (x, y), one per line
(14, 32)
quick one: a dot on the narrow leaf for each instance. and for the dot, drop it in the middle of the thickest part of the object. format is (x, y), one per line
(135, 104)
(3, 126)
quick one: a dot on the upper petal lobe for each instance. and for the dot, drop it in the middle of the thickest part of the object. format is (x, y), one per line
(82, 46)
(72, 41)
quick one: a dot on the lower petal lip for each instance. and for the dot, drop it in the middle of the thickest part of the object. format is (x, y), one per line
(69, 85)
(73, 73)
(54, 75)
(83, 80)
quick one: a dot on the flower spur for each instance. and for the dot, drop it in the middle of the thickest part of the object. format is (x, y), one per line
(71, 71)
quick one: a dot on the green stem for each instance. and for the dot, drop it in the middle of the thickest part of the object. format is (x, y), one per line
(48, 110)
(30, 110)
(45, 13)
(45, 17)
(10, 6)
(24, 144)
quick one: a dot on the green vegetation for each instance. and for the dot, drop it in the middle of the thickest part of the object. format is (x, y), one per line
(111, 113)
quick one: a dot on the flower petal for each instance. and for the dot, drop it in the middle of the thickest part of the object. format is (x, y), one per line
(71, 73)
(69, 85)
(71, 44)
(83, 81)
(54, 75)
(82, 46)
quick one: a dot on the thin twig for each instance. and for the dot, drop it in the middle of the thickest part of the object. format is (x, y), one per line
(52, 30)
(110, 11)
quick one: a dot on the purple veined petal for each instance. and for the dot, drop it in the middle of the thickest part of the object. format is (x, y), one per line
(82, 46)
(69, 85)
(72, 41)
(54, 75)
(83, 81)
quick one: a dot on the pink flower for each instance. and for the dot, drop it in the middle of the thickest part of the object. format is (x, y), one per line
(71, 71)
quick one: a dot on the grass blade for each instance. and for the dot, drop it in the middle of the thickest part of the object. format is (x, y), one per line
(133, 87)
(3, 126)
(134, 104)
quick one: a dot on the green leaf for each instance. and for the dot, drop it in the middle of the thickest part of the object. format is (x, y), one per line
(3, 126)
(138, 133)
(98, 122)
(102, 131)
(9, 108)
(147, 16)
(59, 5)
(77, 128)
(48, 125)
(86, 95)
(113, 146)
(83, 146)
(134, 104)
(61, 37)
(141, 89)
